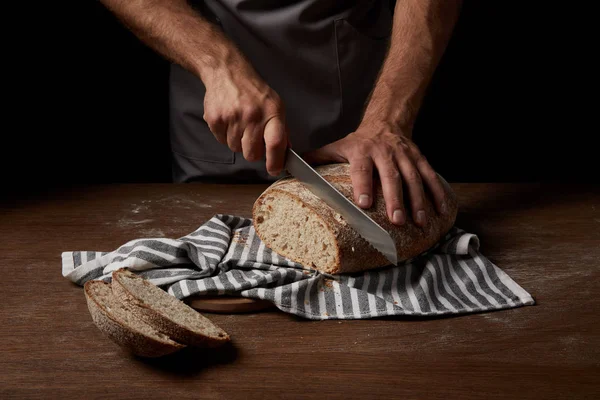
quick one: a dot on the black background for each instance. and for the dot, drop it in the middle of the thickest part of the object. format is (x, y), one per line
(86, 102)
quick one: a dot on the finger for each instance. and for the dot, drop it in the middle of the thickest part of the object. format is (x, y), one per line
(253, 145)
(433, 182)
(412, 180)
(275, 139)
(219, 130)
(234, 137)
(361, 175)
(391, 185)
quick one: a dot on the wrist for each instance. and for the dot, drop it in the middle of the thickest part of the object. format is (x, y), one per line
(394, 117)
(387, 107)
(377, 126)
(220, 62)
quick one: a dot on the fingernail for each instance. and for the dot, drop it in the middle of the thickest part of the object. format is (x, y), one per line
(398, 217)
(444, 208)
(363, 200)
(421, 217)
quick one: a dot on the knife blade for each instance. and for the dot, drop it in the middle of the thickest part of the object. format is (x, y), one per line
(356, 218)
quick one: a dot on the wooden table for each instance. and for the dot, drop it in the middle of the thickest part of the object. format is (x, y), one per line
(546, 237)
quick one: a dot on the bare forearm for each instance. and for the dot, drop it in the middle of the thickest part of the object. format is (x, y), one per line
(420, 34)
(178, 32)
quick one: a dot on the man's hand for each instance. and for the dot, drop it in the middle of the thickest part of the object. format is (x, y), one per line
(396, 159)
(382, 141)
(244, 113)
(240, 109)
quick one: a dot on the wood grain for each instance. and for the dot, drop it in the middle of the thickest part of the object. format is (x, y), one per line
(546, 237)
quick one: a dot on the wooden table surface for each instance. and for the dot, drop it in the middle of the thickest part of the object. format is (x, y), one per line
(546, 237)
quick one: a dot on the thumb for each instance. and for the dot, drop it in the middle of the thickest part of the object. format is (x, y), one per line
(327, 154)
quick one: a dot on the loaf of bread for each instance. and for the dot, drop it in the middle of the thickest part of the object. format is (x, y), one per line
(145, 320)
(296, 224)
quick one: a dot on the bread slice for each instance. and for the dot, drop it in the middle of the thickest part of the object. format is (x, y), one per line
(298, 225)
(123, 328)
(168, 314)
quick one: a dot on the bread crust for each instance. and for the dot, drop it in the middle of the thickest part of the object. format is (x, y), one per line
(124, 335)
(355, 254)
(157, 319)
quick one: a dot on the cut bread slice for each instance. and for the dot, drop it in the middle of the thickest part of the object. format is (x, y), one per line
(122, 327)
(165, 312)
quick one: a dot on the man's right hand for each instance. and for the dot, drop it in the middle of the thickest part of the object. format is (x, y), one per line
(241, 110)
(244, 113)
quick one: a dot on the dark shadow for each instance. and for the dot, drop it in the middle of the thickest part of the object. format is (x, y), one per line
(191, 361)
(518, 203)
(526, 196)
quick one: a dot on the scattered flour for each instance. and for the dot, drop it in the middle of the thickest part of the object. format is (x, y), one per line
(180, 202)
(152, 233)
(126, 222)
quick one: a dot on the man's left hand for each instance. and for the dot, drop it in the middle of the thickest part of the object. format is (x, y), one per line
(397, 160)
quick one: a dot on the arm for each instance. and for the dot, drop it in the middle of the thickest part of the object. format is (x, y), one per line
(422, 29)
(241, 110)
(382, 141)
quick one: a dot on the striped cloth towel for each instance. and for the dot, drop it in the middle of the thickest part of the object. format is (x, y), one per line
(225, 257)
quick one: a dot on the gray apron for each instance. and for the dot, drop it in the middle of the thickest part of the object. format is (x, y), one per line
(322, 58)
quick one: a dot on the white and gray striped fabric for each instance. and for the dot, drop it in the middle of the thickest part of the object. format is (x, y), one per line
(225, 257)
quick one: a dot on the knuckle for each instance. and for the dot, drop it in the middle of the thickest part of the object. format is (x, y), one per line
(232, 113)
(360, 164)
(413, 176)
(234, 135)
(402, 149)
(363, 148)
(385, 153)
(390, 173)
(228, 116)
(233, 141)
(211, 118)
(402, 145)
(252, 156)
(221, 138)
(251, 112)
(359, 169)
(275, 142)
(413, 148)
(421, 160)
(431, 174)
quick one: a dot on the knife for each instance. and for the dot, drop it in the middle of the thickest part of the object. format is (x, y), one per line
(356, 218)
